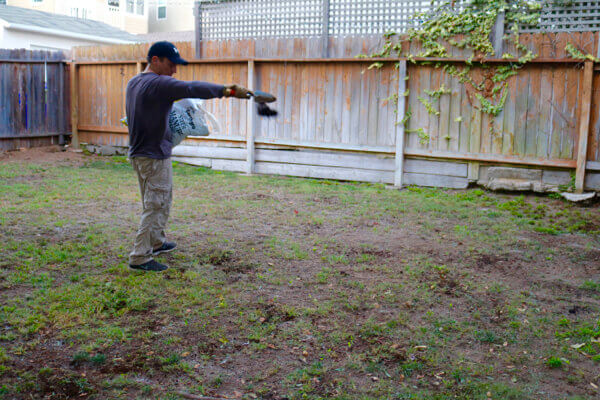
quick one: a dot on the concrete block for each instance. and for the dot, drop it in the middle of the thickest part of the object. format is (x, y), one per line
(514, 173)
(556, 177)
(592, 181)
(509, 184)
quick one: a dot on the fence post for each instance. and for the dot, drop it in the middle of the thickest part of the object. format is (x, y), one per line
(400, 114)
(584, 125)
(74, 105)
(198, 15)
(325, 31)
(250, 122)
(498, 35)
(62, 111)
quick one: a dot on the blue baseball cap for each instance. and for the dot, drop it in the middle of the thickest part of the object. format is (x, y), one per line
(166, 49)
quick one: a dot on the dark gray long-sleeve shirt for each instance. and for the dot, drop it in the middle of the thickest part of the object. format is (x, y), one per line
(148, 100)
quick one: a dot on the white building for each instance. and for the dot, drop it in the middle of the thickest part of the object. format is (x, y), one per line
(133, 16)
(22, 28)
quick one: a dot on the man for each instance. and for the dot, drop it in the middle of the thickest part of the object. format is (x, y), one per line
(149, 98)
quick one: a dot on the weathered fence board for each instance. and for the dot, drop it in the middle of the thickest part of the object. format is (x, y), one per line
(32, 102)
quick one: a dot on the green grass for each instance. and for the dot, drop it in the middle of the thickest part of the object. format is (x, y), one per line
(309, 288)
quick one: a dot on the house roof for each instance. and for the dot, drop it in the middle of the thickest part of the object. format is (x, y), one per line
(181, 36)
(42, 21)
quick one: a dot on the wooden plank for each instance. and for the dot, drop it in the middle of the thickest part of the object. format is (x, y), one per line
(337, 110)
(593, 166)
(436, 167)
(330, 99)
(584, 125)
(313, 94)
(594, 145)
(306, 171)
(346, 127)
(309, 60)
(399, 127)
(509, 117)
(305, 94)
(355, 104)
(435, 181)
(445, 108)
(466, 109)
(287, 100)
(251, 123)
(326, 159)
(373, 80)
(229, 153)
(295, 100)
(545, 106)
(321, 97)
(74, 105)
(495, 158)
(363, 110)
(434, 119)
(229, 165)
(533, 111)
(557, 112)
(496, 123)
(327, 146)
(572, 95)
(200, 162)
(476, 117)
(279, 92)
(522, 97)
(454, 111)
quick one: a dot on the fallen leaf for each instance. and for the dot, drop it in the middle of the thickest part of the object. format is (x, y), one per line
(185, 354)
(420, 347)
(592, 384)
(375, 379)
(578, 345)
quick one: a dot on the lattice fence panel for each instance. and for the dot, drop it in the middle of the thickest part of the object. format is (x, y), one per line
(243, 19)
(351, 17)
(250, 19)
(567, 16)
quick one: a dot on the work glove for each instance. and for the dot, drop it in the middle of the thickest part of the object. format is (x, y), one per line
(237, 91)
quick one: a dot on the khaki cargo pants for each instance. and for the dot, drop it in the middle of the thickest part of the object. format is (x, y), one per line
(156, 185)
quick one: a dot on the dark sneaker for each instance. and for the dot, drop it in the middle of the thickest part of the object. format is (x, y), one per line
(149, 266)
(165, 248)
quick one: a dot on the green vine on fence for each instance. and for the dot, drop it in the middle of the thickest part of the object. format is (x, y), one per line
(466, 26)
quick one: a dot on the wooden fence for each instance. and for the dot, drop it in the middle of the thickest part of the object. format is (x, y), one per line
(338, 118)
(33, 98)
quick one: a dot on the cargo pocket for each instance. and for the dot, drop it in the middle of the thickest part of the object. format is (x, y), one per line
(156, 197)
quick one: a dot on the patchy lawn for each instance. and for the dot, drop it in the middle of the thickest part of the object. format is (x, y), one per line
(292, 288)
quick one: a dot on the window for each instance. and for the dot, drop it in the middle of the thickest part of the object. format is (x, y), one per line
(139, 7)
(79, 12)
(161, 9)
(135, 7)
(113, 3)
